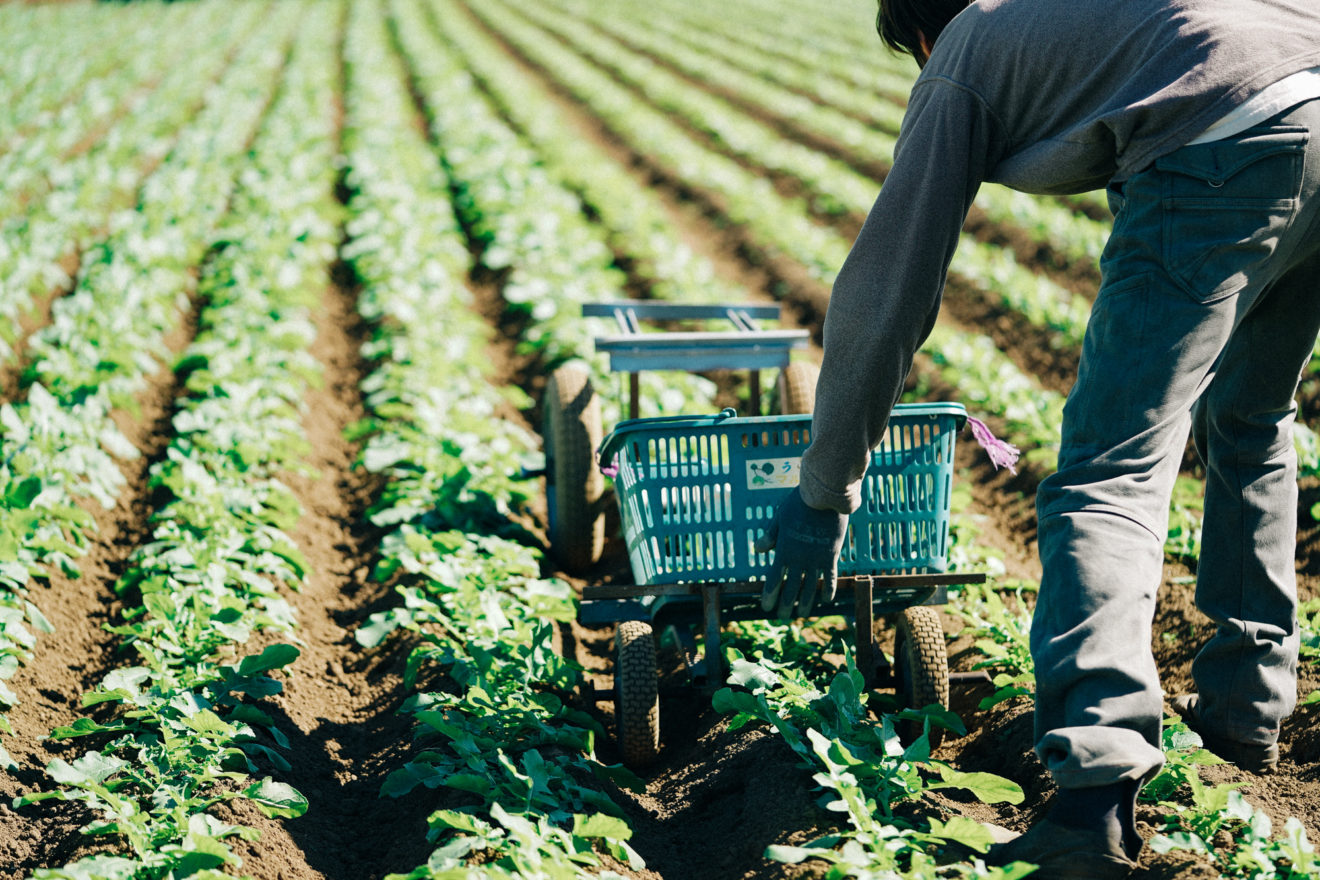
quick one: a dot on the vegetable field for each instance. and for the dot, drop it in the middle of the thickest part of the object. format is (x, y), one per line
(281, 285)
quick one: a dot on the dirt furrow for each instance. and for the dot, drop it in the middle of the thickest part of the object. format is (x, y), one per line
(339, 707)
(340, 703)
(1078, 277)
(788, 281)
(79, 653)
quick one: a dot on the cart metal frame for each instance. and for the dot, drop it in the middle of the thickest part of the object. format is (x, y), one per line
(705, 605)
(745, 347)
(709, 604)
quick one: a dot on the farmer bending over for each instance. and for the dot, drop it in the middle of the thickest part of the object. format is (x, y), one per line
(1202, 118)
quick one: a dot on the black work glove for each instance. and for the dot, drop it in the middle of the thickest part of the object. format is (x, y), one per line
(806, 541)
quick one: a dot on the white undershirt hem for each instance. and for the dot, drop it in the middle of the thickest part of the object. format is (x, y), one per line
(1273, 98)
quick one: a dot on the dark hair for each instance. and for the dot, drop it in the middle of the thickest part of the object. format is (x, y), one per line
(899, 21)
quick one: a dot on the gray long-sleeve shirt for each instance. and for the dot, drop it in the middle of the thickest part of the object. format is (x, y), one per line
(1045, 96)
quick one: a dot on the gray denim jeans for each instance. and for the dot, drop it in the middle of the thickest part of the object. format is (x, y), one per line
(1207, 314)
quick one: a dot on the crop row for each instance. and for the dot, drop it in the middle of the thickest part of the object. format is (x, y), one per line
(61, 442)
(515, 756)
(844, 45)
(876, 97)
(180, 732)
(1071, 235)
(850, 742)
(66, 198)
(845, 40)
(638, 225)
(530, 228)
(635, 221)
(185, 727)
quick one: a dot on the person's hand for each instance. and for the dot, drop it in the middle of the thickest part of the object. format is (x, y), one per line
(806, 541)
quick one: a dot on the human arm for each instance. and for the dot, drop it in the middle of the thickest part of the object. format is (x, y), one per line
(883, 306)
(887, 295)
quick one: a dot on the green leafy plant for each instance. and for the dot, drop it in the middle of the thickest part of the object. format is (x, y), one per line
(1218, 821)
(1002, 636)
(181, 733)
(502, 736)
(863, 769)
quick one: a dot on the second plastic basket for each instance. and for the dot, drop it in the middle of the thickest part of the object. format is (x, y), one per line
(695, 492)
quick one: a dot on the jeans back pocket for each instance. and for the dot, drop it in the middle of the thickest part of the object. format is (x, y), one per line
(1226, 203)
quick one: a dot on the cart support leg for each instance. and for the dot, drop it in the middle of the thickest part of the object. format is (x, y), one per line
(864, 623)
(710, 612)
(634, 395)
(754, 385)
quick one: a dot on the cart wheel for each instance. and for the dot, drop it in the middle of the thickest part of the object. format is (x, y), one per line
(921, 667)
(571, 423)
(636, 693)
(796, 388)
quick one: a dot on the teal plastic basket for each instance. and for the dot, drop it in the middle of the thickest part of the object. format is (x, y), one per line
(695, 492)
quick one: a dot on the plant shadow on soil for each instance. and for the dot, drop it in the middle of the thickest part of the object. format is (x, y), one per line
(716, 798)
(350, 831)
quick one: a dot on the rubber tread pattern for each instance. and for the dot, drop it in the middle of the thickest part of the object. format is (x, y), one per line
(796, 388)
(574, 485)
(922, 667)
(637, 694)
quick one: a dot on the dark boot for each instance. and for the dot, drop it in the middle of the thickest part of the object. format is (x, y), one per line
(1252, 757)
(1088, 834)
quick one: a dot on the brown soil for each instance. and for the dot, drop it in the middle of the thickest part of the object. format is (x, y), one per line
(72, 660)
(29, 322)
(716, 797)
(679, 832)
(340, 704)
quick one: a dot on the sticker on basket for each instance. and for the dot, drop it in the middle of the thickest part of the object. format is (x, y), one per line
(773, 473)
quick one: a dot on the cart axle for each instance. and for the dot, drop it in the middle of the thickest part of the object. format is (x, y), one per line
(595, 694)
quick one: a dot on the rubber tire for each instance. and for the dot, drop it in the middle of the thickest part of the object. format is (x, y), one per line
(796, 388)
(921, 668)
(636, 693)
(574, 485)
